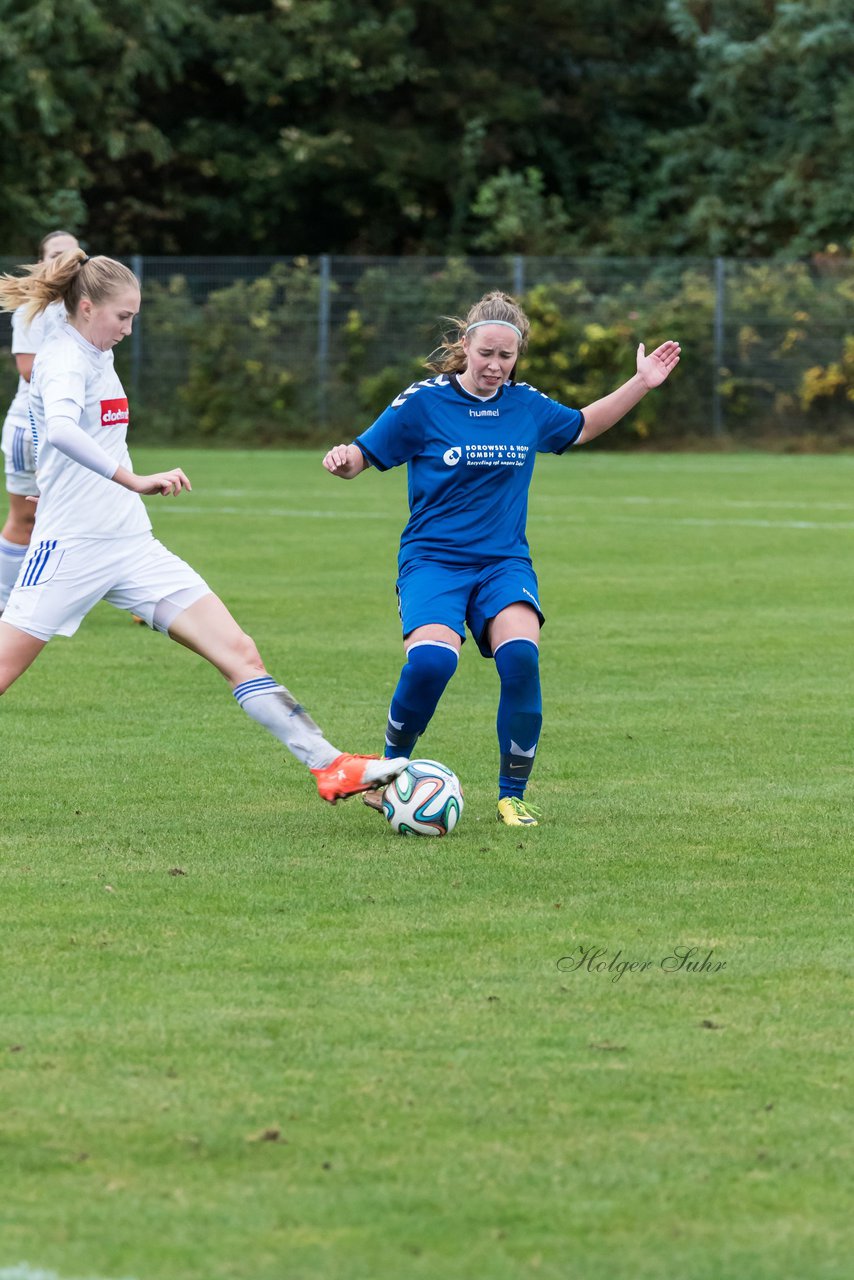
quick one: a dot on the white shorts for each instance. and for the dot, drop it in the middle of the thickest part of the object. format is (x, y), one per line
(62, 579)
(19, 457)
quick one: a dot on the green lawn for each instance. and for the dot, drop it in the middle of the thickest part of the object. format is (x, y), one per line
(247, 1036)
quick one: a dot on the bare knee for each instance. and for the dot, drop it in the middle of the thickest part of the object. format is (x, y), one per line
(19, 527)
(242, 660)
(246, 655)
(18, 650)
(208, 629)
(7, 679)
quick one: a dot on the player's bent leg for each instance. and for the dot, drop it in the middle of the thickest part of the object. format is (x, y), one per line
(520, 714)
(513, 635)
(432, 655)
(14, 543)
(18, 650)
(432, 631)
(20, 520)
(208, 628)
(12, 556)
(515, 622)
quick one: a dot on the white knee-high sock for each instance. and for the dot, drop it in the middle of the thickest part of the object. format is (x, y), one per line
(273, 706)
(11, 557)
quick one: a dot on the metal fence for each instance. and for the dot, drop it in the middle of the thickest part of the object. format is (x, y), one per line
(277, 350)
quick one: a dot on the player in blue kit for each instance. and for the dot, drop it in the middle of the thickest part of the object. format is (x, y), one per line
(469, 437)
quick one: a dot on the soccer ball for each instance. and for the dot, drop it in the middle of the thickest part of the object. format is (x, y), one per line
(425, 800)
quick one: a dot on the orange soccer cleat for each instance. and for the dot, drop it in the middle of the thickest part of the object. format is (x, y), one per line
(348, 775)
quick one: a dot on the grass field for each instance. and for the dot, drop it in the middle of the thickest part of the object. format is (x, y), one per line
(246, 1036)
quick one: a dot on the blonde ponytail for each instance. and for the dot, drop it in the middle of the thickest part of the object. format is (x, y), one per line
(67, 279)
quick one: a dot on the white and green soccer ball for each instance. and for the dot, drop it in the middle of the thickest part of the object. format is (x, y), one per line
(425, 800)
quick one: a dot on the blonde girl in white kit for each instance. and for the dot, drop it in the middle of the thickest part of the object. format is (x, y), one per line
(92, 538)
(18, 453)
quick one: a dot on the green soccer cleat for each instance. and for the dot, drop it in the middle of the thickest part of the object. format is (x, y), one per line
(514, 812)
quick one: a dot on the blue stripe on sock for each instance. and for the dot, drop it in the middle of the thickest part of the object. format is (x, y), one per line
(249, 688)
(12, 550)
(257, 682)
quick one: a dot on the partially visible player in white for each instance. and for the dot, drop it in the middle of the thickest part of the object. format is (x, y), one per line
(18, 444)
(92, 538)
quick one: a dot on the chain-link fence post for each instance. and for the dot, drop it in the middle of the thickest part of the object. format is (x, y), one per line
(323, 338)
(718, 347)
(136, 266)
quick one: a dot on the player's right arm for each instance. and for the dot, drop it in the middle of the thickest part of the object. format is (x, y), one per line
(166, 483)
(68, 437)
(345, 461)
(395, 437)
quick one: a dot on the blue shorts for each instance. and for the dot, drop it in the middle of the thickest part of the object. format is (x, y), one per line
(456, 595)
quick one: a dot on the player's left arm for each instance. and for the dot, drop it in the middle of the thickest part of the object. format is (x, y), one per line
(652, 370)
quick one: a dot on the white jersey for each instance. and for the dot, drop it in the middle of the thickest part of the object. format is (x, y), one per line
(28, 339)
(75, 500)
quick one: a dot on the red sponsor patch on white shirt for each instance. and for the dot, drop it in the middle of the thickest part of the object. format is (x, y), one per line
(115, 413)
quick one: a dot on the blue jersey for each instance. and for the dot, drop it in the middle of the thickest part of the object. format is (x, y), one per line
(470, 464)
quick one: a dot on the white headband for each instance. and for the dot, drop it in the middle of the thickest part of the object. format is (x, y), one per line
(478, 323)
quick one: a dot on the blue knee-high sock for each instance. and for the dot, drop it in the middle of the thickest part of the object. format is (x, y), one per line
(428, 668)
(520, 713)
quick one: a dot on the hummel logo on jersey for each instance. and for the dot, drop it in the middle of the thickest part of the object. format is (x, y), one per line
(452, 456)
(115, 413)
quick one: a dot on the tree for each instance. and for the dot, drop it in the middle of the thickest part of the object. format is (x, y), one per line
(86, 138)
(769, 168)
(320, 125)
(612, 127)
(381, 140)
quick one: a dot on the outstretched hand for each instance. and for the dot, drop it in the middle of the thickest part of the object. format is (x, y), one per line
(659, 364)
